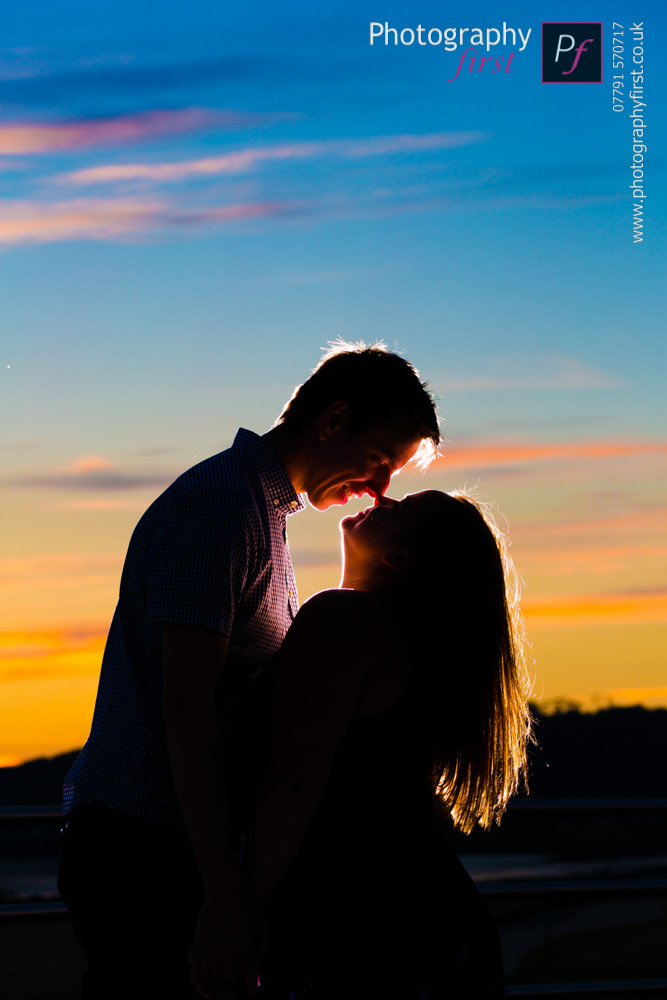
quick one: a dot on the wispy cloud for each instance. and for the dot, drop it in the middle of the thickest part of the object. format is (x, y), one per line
(491, 454)
(244, 160)
(131, 218)
(596, 609)
(599, 563)
(229, 163)
(552, 372)
(94, 472)
(354, 194)
(115, 479)
(105, 82)
(46, 588)
(86, 463)
(25, 222)
(42, 137)
(58, 565)
(47, 222)
(41, 654)
(641, 519)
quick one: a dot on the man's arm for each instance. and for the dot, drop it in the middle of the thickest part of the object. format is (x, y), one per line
(230, 919)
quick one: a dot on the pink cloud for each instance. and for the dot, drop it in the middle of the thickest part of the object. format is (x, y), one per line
(39, 654)
(383, 144)
(232, 163)
(121, 129)
(630, 608)
(640, 520)
(552, 372)
(59, 565)
(246, 159)
(40, 222)
(86, 463)
(114, 218)
(485, 455)
(595, 560)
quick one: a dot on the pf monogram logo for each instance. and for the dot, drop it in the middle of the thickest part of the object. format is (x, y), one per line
(572, 52)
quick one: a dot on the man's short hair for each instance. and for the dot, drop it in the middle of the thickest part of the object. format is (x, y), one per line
(377, 385)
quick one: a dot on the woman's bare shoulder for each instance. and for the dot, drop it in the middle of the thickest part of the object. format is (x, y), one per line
(338, 597)
(341, 605)
(342, 617)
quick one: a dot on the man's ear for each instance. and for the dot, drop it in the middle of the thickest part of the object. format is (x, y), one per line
(334, 417)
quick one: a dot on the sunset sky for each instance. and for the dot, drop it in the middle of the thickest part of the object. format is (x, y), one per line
(198, 197)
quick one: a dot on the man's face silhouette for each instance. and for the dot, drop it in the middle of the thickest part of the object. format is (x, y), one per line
(346, 465)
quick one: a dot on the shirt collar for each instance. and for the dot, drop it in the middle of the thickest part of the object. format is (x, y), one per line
(277, 485)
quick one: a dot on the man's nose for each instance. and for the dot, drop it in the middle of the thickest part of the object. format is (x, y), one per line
(377, 487)
(381, 501)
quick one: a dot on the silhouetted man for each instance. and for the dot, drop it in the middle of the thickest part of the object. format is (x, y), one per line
(206, 597)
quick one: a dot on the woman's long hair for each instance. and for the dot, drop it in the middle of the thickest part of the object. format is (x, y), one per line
(462, 605)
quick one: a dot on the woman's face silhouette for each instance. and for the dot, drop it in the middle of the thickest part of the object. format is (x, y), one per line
(380, 541)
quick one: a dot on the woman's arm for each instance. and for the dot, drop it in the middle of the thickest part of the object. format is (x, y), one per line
(319, 676)
(192, 661)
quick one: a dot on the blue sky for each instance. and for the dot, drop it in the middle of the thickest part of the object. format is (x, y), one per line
(503, 242)
(197, 197)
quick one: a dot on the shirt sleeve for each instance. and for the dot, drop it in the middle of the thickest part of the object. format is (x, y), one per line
(197, 567)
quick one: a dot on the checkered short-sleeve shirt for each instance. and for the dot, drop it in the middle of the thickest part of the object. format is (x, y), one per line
(210, 551)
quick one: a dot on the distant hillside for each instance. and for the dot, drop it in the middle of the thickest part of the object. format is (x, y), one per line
(617, 752)
(37, 782)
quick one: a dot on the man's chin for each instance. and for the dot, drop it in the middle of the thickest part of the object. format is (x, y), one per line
(332, 499)
(320, 503)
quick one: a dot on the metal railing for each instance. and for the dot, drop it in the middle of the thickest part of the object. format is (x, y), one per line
(36, 912)
(568, 887)
(33, 913)
(599, 990)
(30, 814)
(587, 805)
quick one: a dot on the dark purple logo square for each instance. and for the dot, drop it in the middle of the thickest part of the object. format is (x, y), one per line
(571, 52)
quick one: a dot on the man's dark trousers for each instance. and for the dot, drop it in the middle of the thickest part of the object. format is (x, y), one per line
(134, 892)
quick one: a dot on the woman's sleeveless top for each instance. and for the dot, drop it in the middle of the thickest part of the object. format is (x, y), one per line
(377, 903)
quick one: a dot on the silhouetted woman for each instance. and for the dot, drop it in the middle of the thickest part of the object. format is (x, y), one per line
(406, 683)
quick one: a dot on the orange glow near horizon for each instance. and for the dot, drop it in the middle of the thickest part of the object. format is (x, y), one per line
(48, 678)
(192, 221)
(594, 596)
(41, 654)
(601, 609)
(10, 760)
(484, 455)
